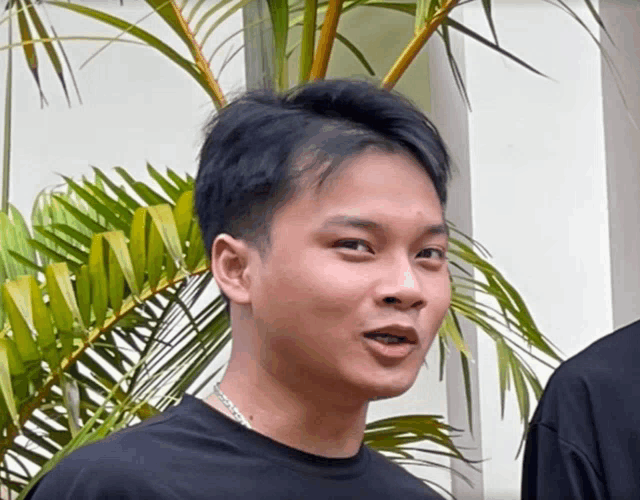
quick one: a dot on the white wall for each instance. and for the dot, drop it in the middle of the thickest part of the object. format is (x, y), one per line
(138, 106)
(539, 194)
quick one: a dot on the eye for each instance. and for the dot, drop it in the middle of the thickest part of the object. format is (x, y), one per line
(352, 244)
(428, 253)
(433, 253)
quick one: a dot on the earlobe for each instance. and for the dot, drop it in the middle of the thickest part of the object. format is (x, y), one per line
(230, 268)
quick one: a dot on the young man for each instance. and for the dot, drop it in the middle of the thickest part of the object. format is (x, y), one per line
(322, 210)
(584, 439)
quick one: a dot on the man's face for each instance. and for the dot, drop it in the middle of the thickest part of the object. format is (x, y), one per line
(325, 281)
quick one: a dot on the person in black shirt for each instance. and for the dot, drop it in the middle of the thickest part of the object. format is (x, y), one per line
(193, 452)
(323, 211)
(583, 442)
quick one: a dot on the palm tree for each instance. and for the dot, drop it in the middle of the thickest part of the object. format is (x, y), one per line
(101, 317)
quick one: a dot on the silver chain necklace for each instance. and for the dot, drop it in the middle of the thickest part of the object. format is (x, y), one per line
(230, 406)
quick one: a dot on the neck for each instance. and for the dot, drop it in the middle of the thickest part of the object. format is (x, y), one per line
(311, 420)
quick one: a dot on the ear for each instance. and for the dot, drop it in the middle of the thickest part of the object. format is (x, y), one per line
(230, 259)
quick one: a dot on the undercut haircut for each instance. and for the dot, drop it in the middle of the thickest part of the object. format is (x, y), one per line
(258, 148)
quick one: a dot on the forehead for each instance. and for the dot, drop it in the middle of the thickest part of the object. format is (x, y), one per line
(342, 220)
(319, 174)
(375, 186)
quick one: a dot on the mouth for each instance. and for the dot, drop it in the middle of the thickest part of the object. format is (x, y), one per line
(388, 338)
(389, 347)
(392, 343)
(394, 334)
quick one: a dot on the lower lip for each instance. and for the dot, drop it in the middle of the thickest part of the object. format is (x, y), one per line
(392, 351)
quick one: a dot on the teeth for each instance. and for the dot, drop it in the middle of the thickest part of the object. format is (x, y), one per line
(391, 340)
(385, 338)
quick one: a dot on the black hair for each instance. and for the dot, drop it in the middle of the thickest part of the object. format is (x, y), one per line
(258, 147)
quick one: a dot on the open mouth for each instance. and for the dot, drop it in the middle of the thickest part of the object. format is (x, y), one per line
(387, 338)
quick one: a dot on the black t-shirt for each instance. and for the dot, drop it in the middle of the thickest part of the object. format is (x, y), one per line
(193, 452)
(584, 440)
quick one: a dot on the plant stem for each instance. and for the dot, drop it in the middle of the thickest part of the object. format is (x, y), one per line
(415, 45)
(219, 99)
(6, 158)
(279, 12)
(307, 43)
(325, 43)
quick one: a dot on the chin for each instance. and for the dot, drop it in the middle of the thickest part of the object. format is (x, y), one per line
(370, 385)
(392, 392)
(388, 390)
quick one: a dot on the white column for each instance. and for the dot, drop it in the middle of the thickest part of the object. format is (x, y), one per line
(621, 104)
(450, 115)
(539, 194)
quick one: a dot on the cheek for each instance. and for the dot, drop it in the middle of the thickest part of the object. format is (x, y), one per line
(305, 289)
(445, 291)
(335, 285)
(439, 296)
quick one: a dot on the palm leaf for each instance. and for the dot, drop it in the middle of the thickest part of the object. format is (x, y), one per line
(453, 64)
(48, 45)
(506, 325)
(28, 48)
(197, 70)
(356, 52)
(397, 437)
(472, 34)
(232, 8)
(279, 12)
(172, 15)
(29, 19)
(63, 328)
(486, 5)
(308, 39)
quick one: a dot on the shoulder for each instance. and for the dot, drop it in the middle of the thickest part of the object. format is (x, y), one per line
(99, 470)
(123, 465)
(398, 480)
(609, 361)
(618, 349)
(585, 388)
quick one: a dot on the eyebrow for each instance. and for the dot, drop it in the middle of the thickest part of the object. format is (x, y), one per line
(353, 221)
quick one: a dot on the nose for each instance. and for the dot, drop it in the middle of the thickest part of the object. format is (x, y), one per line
(403, 288)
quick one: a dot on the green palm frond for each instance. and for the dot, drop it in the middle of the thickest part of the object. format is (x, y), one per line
(394, 435)
(33, 32)
(116, 411)
(482, 295)
(195, 22)
(398, 439)
(104, 301)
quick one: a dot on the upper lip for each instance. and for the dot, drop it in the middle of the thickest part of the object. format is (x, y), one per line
(399, 330)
